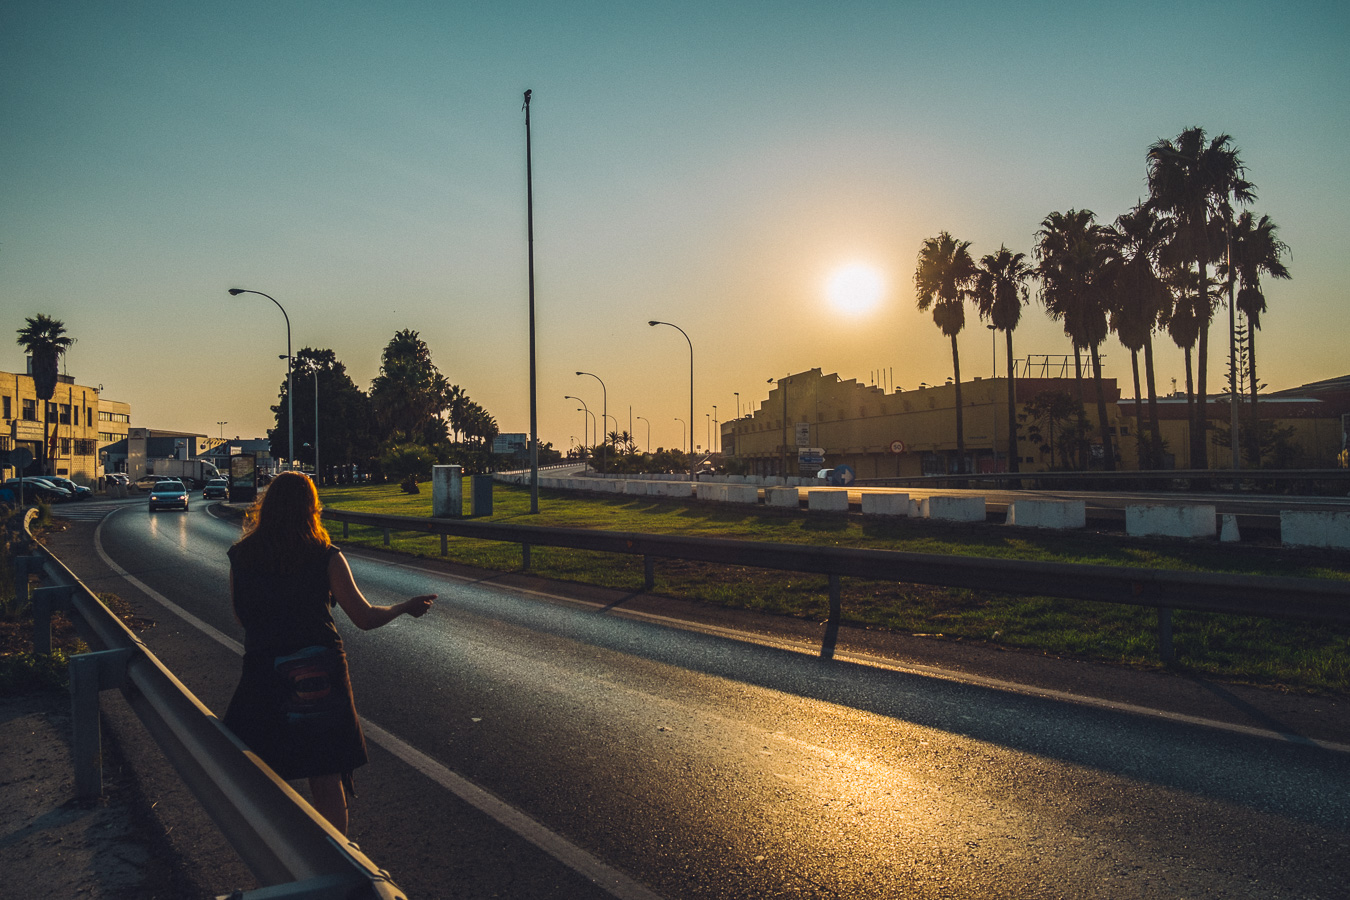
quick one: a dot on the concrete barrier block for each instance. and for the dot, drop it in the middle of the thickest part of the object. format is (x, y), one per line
(915, 508)
(1229, 532)
(876, 503)
(1314, 528)
(706, 490)
(952, 509)
(735, 479)
(1193, 520)
(742, 493)
(784, 497)
(1048, 513)
(827, 501)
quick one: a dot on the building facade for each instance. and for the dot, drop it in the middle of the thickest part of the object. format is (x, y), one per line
(74, 422)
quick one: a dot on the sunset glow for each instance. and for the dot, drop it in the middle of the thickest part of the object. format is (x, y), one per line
(856, 288)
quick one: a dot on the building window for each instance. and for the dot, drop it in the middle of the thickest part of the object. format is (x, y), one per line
(29, 410)
(51, 412)
(8, 410)
(65, 413)
(65, 446)
(113, 417)
(88, 417)
(85, 447)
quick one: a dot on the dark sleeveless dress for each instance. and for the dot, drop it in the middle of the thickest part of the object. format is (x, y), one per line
(293, 706)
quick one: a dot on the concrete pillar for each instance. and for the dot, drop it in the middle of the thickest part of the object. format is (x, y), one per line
(447, 492)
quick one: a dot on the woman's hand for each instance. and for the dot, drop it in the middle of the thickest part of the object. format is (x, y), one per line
(417, 606)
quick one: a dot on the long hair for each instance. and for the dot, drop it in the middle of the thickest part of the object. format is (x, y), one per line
(284, 523)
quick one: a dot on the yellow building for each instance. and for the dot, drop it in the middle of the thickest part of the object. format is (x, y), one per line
(812, 420)
(77, 422)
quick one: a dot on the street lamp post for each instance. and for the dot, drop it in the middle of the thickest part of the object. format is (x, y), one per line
(993, 336)
(222, 430)
(654, 323)
(290, 393)
(649, 431)
(604, 412)
(715, 431)
(588, 414)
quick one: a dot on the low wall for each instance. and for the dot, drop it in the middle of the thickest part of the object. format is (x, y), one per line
(1195, 520)
(876, 503)
(1048, 513)
(1310, 528)
(952, 509)
(827, 501)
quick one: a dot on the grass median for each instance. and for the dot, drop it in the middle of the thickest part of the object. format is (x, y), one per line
(1302, 656)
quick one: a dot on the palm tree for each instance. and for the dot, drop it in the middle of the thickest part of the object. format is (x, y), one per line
(943, 279)
(1254, 249)
(1073, 250)
(1197, 183)
(455, 400)
(1000, 293)
(1140, 301)
(45, 340)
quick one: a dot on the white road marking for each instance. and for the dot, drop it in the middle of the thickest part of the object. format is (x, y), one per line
(616, 883)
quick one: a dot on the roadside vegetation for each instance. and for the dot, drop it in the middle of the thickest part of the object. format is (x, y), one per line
(1296, 655)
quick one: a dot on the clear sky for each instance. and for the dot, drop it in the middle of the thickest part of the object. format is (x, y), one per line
(708, 164)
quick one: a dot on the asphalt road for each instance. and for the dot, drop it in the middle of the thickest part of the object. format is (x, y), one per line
(624, 757)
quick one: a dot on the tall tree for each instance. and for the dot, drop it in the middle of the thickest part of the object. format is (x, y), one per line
(1072, 250)
(46, 341)
(346, 433)
(1197, 182)
(1000, 293)
(409, 393)
(943, 280)
(1254, 250)
(1139, 302)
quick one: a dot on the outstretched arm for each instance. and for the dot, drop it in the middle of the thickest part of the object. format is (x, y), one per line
(358, 608)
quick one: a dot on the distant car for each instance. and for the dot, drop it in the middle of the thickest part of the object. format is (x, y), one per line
(39, 488)
(216, 487)
(77, 491)
(168, 493)
(118, 477)
(146, 482)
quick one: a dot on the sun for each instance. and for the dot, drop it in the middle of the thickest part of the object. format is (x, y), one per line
(855, 288)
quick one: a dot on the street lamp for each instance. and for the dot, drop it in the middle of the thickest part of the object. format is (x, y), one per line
(649, 431)
(654, 323)
(993, 335)
(588, 414)
(290, 394)
(222, 429)
(604, 412)
(715, 431)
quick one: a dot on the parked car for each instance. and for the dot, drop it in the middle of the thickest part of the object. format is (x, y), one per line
(146, 482)
(121, 478)
(168, 494)
(39, 488)
(77, 491)
(216, 487)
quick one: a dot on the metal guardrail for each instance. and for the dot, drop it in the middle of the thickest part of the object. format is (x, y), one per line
(1249, 595)
(1219, 480)
(288, 846)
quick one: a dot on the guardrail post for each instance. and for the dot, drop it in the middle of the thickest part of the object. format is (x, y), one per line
(445, 549)
(648, 573)
(89, 674)
(23, 567)
(525, 557)
(344, 529)
(46, 601)
(386, 537)
(832, 623)
(1166, 651)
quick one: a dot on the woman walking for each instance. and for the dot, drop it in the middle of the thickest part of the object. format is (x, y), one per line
(293, 706)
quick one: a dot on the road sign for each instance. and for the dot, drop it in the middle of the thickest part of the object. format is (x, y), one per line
(802, 433)
(20, 457)
(897, 446)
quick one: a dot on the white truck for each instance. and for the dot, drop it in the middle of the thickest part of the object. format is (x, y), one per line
(192, 472)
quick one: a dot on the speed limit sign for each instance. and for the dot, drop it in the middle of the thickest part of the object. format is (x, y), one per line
(897, 446)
